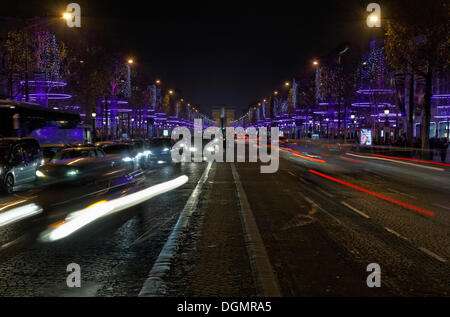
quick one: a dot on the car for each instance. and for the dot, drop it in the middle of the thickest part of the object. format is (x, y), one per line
(49, 150)
(79, 144)
(123, 152)
(77, 152)
(159, 150)
(143, 152)
(19, 160)
(78, 165)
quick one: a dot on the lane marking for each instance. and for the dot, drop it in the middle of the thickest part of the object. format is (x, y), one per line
(396, 233)
(432, 254)
(397, 192)
(355, 210)
(364, 190)
(325, 192)
(442, 206)
(154, 285)
(292, 174)
(263, 273)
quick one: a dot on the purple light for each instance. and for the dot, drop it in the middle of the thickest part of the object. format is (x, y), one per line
(51, 96)
(375, 91)
(48, 83)
(368, 104)
(119, 102)
(440, 96)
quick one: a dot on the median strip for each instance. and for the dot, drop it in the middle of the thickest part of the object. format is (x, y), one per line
(263, 274)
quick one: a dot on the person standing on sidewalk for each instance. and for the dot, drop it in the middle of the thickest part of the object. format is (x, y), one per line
(444, 147)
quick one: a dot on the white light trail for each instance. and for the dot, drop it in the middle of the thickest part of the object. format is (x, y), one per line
(79, 219)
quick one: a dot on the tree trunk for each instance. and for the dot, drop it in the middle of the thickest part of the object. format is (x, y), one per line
(427, 113)
(410, 111)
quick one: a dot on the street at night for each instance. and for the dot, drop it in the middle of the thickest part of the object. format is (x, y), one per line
(201, 168)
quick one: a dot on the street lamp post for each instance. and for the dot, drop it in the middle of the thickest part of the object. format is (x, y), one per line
(94, 133)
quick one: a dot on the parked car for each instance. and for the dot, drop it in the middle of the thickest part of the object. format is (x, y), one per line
(49, 150)
(19, 160)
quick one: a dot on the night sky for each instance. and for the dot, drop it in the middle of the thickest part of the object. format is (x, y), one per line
(217, 52)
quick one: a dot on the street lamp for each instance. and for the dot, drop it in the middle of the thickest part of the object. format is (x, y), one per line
(67, 16)
(275, 92)
(316, 63)
(171, 92)
(287, 84)
(386, 111)
(130, 61)
(94, 133)
(158, 81)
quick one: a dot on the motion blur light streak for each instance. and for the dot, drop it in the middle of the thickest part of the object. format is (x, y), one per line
(396, 161)
(309, 158)
(418, 209)
(81, 218)
(410, 159)
(19, 213)
(354, 161)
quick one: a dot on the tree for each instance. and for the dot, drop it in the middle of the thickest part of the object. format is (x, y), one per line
(418, 42)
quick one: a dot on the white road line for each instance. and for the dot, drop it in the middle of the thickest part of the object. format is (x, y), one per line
(442, 206)
(325, 192)
(432, 254)
(292, 174)
(154, 284)
(309, 201)
(303, 180)
(263, 274)
(355, 210)
(397, 192)
(396, 233)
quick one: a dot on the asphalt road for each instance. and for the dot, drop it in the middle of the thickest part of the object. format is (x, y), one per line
(323, 218)
(115, 254)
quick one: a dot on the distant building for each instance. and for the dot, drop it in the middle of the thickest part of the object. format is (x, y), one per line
(223, 116)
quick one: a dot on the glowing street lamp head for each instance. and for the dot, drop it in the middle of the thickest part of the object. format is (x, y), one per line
(386, 111)
(130, 61)
(373, 18)
(316, 63)
(170, 92)
(287, 84)
(158, 81)
(67, 16)
(93, 115)
(275, 92)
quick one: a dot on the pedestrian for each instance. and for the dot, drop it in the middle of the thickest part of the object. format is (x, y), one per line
(444, 147)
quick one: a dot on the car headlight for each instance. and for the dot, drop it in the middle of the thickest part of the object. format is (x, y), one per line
(72, 172)
(210, 149)
(40, 174)
(166, 149)
(42, 162)
(127, 159)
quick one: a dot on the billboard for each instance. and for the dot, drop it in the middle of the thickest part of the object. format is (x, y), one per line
(366, 137)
